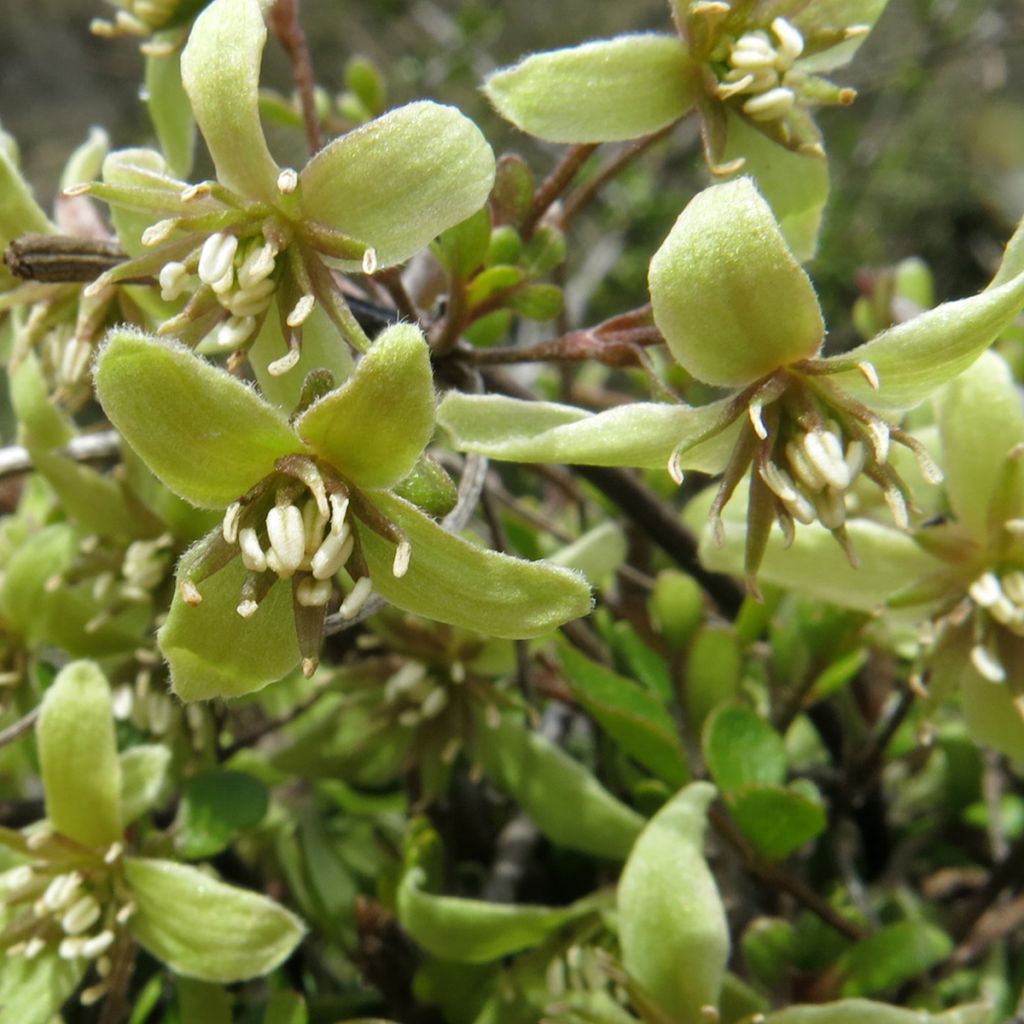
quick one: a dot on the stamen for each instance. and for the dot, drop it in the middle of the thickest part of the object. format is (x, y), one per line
(81, 916)
(1013, 586)
(825, 452)
(300, 311)
(287, 537)
(770, 105)
(435, 702)
(897, 506)
(94, 993)
(870, 374)
(339, 509)
(173, 280)
(331, 555)
(313, 593)
(985, 591)
(190, 593)
(754, 412)
(229, 527)
(217, 257)
(734, 88)
(370, 261)
(287, 181)
(257, 266)
(287, 362)
(791, 42)
(356, 598)
(247, 608)
(98, 944)
(674, 467)
(803, 469)
(253, 556)
(234, 332)
(778, 481)
(195, 192)
(62, 890)
(403, 553)
(831, 509)
(878, 434)
(156, 233)
(855, 458)
(987, 664)
(751, 59)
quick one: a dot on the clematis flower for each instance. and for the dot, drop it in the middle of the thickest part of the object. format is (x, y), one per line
(260, 239)
(78, 898)
(738, 312)
(303, 501)
(751, 71)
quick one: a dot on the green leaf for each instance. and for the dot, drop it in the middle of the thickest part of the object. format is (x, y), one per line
(285, 1007)
(206, 435)
(399, 181)
(462, 248)
(728, 295)
(200, 1002)
(641, 434)
(78, 757)
(896, 954)
(670, 913)
(169, 107)
(742, 749)
(990, 711)
(212, 651)
(635, 719)
(19, 212)
(863, 1011)
(451, 580)
(777, 821)
(714, 671)
(677, 607)
(215, 804)
(202, 928)
(603, 91)
(562, 797)
(795, 184)
(597, 554)
(537, 301)
(144, 779)
(832, 14)
(33, 991)
(220, 69)
(42, 424)
(374, 427)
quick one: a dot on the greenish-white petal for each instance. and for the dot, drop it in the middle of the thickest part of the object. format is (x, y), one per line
(78, 756)
(728, 294)
(375, 426)
(452, 580)
(204, 433)
(980, 420)
(202, 928)
(214, 652)
(640, 434)
(399, 181)
(220, 69)
(795, 184)
(604, 91)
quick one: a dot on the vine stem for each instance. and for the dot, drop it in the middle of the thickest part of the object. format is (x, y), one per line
(556, 183)
(284, 17)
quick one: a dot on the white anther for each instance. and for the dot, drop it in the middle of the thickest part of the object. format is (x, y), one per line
(80, 915)
(492, 716)
(928, 466)
(313, 522)
(247, 609)
(94, 993)
(313, 593)
(62, 890)
(735, 83)
(250, 301)
(825, 452)
(897, 507)
(74, 360)
(675, 468)
(400, 566)
(257, 266)
(751, 59)
(803, 469)
(791, 42)
(190, 593)
(434, 703)
(756, 421)
(287, 181)
(97, 945)
(157, 233)
(173, 280)
(800, 509)
(370, 261)
(34, 947)
(1004, 611)
(831, 509)
(223, 285)
(406, 680)
(194, 192)
(410, 718)
(457, 672)
(755, 41)
(778, 481)
(356, 598)
(1013, 586)
(451, 749)
(235, 332)
(124, 915)
(279, 367)
(771, 104)
(253, 556)
(113, 854)
(70, 948)
(987, 664)
(985, 591)
(339, 509)
(217, 257)
(229, 525)
(300, 311)
(878, 434)
(855, 457)
(287, 537)
(870, 374)
(309, 667)
(331, 555)
(17, 878)
(101, 585)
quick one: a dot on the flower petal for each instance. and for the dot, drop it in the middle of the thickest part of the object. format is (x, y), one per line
(641, 434)
(202, 928)
(214, 652)
(451, 580)
(399, 181)
(78, 756)
(375, 426)
(604, 91)
(980, 420)
(731, 300)
(220, 69)
(206, 435)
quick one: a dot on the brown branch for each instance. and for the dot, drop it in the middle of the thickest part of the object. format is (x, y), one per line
(618, 348)
(556, 183)
(284, 19)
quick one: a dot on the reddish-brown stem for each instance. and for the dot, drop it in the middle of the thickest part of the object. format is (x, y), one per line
(284, 18)
(619, 348)
(556, 183)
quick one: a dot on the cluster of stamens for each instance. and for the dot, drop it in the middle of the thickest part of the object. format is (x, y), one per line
(997, 600)
(136, 18)
(79, 911)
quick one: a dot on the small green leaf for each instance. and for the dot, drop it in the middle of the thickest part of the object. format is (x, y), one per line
(285, 1007)
(537, 301)
(597, 554)
(33, 991)
(202, 928)
(169, 107)
(896, 954)
(399, 181)
(220, 69)
(214, 652)
(777, 821)
(742, 749)
(215, 804)
(604, 91)
(493, 280)
(631, 715)
(78, 757)
(348, 427)
(670, 913)
(428, 487)
(728, 295)
(768, 946)
(677, 607)
(714, 671)
(462, 248)
(144, 779)
(206, 435)
(42, 425)
(451, 580)
(564, 799)
(20, 214)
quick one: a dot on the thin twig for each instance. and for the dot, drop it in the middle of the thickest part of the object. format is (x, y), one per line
(619, 348)
(86, 448)
(284, 17)
(556, 183)
(266, 728)
(19, 728)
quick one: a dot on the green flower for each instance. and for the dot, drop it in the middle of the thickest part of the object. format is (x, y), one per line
(79, 900)
(260, 236)
(302, 502)
(738, 312)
